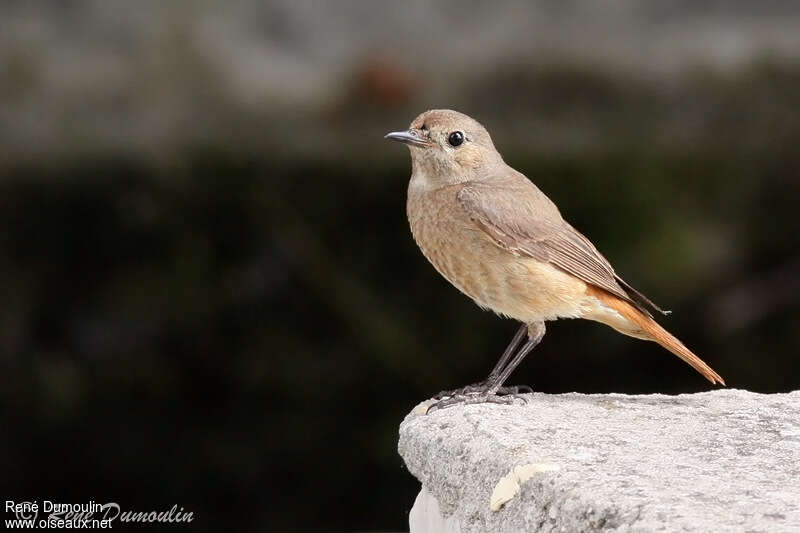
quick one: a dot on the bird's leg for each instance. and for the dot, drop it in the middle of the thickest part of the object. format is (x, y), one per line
(483, 386)
(491, 391)
(535, 334)
(510, 349)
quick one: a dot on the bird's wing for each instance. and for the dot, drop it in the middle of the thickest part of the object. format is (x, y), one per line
(521, 219)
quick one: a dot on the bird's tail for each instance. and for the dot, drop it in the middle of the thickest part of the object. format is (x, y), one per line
(650, 329)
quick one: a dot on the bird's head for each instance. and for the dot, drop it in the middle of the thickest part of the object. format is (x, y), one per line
(447, 147)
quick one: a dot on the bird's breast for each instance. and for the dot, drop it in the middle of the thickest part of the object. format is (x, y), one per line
(514, 286)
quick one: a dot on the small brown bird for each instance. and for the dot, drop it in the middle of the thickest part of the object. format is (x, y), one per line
(494, 235)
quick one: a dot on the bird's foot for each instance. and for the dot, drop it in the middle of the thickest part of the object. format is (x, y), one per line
(470, 399)
(479, 393)
(463, 391)
(514, 390)
(482, 387)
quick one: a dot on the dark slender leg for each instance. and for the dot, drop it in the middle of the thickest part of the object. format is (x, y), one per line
(481, 386)
(536, 332)
(487, 392)
(512, 347)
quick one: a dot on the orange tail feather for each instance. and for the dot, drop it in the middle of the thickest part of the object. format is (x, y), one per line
(657, 333)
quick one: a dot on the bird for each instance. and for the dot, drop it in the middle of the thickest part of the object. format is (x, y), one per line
(495, 236)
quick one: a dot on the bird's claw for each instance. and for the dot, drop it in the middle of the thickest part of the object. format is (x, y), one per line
(504, 395)
(515, 390)
(481, 388)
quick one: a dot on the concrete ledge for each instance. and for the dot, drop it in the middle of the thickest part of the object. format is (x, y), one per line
(726, 460)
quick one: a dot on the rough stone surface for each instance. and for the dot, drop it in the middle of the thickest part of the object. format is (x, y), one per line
(727, 460)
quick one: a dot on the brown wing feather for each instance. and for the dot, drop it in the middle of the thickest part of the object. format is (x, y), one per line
(522, 220)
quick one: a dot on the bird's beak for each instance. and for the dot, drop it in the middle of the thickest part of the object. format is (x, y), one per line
(409, 137)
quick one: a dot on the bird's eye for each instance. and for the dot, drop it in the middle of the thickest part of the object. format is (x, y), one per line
(456, 138)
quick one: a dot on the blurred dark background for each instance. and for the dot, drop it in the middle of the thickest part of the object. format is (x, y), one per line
(210, 295)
